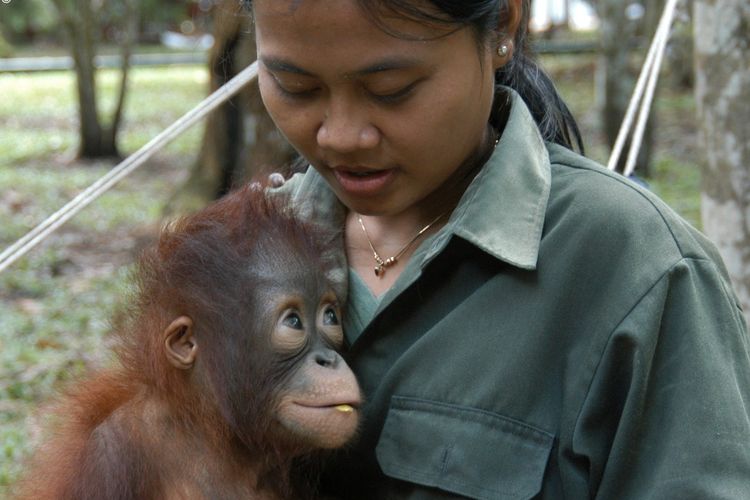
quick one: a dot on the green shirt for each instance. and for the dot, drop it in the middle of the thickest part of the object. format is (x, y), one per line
(565, 335)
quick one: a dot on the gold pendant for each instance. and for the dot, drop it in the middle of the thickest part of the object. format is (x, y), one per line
(383, 264)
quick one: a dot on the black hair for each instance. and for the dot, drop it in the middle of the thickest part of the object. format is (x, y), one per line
(522, 73)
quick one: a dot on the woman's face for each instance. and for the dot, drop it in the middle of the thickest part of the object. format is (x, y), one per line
(387, 120)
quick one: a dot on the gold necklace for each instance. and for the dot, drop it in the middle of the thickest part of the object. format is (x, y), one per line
(382, 264)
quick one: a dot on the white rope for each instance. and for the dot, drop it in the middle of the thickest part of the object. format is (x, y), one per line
(662, 40)
(646, 81)
(54, 221)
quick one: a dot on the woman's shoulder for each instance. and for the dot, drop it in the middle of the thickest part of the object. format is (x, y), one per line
(312, 199)
(606, 229)
(618, 210)
(294, 186)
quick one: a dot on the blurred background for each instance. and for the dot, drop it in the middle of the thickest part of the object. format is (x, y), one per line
(85, 83)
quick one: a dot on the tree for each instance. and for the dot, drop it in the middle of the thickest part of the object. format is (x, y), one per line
(80, 22)
(616, 76)
(5, 48)
(722, 91)
(240, 139)
(24, 21)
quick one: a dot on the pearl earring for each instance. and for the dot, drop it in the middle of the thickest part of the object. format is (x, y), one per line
(502, 50)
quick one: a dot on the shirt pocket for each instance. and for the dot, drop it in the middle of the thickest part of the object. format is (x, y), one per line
(462, 450)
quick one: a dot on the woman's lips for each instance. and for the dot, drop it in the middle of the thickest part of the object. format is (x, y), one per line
(363, 182)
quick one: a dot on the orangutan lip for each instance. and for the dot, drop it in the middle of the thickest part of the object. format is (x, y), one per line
(352, 405)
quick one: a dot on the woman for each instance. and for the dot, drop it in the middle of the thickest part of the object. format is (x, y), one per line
(523, 322)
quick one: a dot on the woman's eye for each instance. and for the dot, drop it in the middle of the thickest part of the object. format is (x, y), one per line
(294, 90)
(292, 320)
(297, 94)
(395, 97)
(330, 317)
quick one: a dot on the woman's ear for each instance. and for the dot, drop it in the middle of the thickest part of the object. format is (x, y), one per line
(180, 346)
(509, 22)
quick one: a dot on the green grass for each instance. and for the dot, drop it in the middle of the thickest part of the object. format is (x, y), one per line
(55, 304)
(678, 183)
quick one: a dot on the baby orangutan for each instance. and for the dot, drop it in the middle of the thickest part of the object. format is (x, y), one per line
(228, 372)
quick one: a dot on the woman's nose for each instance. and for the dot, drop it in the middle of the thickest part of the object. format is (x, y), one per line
(346, 129)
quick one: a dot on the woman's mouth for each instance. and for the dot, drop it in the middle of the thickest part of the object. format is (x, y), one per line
(362, 181)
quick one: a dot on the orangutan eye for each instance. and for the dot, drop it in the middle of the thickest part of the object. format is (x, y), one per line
(292, 320)
(330, 317)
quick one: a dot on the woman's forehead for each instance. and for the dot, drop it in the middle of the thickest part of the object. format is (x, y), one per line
(343, 16)
(337, 38)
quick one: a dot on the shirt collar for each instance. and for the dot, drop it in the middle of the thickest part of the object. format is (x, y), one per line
(502, 211)
(315, 200)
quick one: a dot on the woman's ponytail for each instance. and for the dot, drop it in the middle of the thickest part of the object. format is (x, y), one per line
(552, 116)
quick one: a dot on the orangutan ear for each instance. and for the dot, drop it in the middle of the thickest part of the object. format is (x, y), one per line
(179, 343)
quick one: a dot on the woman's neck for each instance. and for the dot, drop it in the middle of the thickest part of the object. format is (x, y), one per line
(379, 248)
(372, 240)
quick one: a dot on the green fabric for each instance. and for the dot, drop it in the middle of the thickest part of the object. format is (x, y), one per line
(565, 335)
(362, 304)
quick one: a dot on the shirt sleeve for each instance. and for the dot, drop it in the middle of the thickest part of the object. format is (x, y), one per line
(667, 413)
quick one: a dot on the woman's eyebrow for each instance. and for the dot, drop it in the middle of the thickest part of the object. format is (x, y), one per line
(276, 64)
(386, 64)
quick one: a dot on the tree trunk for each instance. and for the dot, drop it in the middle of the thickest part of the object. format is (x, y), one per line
(83, 48)
(79, 19)
(126, 40)
(617, 78)
(722, 90)
(679, 56)
(240, 140)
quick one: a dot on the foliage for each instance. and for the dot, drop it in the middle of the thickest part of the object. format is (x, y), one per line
(24, 18)
(55, 304)
(158, 15)
(6, 50)
(22, 21)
